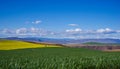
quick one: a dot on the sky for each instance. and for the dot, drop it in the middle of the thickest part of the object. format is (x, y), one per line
(60, 18)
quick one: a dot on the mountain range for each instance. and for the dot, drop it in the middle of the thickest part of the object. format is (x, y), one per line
(65, 40)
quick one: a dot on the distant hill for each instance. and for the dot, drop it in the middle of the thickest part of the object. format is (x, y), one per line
(95, 43)
(101, 44)
(65, 41)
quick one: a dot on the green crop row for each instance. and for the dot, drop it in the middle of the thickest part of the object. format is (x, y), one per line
(59, 58)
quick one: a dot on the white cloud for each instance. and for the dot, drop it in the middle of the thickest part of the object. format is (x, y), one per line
(37, 22)
(21, 31)
(34, 30)
(74, 30)
(100, 33)
(106, 30)
(73, 24)
(7, 31)
(69, 33)
(78, 30)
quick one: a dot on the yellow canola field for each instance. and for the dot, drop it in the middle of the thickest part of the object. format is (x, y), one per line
(13, 44)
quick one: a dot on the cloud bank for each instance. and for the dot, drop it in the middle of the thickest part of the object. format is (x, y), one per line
(77, 33)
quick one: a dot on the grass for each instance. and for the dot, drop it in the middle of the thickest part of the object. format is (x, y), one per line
(58, 58)
(94, 43)
(13, 44)
(101, 44)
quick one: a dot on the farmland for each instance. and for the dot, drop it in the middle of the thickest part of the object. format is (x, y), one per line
(58, 58)
(13, 44)
(97, 46)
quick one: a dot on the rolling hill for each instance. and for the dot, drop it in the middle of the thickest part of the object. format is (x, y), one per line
(14, 44)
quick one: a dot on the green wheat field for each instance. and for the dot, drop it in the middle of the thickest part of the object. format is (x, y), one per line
(34, 56)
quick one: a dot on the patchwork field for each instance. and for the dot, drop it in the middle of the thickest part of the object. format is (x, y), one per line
(56, 57)
(97, 46)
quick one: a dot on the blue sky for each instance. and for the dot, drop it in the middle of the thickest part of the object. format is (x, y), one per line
(49, 18)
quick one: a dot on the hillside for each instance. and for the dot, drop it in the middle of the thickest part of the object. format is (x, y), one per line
(65, 41)
(101, 44)
(14, 44)
(97, 46)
